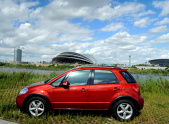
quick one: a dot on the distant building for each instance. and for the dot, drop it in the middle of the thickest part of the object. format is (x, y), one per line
(72, 57)
(17, 55)
(150, 67)
(160, 62)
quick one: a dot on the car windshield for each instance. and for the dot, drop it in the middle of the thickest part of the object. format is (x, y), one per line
(52, 78)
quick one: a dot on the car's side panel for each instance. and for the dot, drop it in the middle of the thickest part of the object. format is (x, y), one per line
(100, 95)
(127, 91)
(72, 97)
(45, 90)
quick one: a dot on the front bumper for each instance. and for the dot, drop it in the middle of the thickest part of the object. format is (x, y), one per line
(19, 101)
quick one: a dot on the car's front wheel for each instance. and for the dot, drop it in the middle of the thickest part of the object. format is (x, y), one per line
(36, 106)
(124, 110)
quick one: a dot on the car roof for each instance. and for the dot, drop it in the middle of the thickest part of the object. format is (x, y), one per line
(98, 67)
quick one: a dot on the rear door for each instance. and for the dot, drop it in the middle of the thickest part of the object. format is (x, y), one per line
(105, 86)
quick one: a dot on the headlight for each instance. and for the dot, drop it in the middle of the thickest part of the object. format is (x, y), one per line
(23, 91)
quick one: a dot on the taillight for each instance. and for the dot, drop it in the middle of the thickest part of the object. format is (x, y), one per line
(136, 88)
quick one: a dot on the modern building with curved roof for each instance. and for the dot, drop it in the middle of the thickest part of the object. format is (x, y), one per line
(72, 57)
(160, 62)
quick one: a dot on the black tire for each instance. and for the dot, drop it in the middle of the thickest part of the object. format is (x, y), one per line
(36, 106)
(124, 110)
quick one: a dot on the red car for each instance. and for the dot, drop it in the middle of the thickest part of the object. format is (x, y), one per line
(85, 88)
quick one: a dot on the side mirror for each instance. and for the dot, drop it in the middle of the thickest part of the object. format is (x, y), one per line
(65, 83)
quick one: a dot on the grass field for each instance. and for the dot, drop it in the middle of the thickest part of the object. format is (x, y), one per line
(149, 71)
(155, 93)
(68, 66)
(29, 66)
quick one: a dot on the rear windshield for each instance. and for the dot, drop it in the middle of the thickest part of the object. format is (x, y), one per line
(128, 77)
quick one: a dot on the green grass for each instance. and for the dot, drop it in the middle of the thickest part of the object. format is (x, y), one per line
(68, 66)
(149, 71)
(155, 93)
(28, 66)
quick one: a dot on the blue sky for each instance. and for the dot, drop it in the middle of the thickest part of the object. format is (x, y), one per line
(110, 30)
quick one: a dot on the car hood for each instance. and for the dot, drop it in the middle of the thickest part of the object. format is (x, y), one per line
(35, 84)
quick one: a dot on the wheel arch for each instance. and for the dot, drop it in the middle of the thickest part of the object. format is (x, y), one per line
(36, 95)
(124, 97)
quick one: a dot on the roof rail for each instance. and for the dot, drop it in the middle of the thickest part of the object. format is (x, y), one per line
(91, 65)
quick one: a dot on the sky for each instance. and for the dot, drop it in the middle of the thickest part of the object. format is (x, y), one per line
(110, 30)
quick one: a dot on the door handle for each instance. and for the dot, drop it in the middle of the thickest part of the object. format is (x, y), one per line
(116, 89)
(83, 90)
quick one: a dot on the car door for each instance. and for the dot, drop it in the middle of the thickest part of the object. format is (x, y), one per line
(105, 86)
(74, 96)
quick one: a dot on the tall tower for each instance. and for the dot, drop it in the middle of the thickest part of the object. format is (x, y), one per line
(129, 60)
(17, 55)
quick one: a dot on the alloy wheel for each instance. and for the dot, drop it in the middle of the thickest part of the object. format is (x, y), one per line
(36, 108)
(124, 111)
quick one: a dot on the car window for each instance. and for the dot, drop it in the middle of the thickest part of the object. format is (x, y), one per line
(79, 77)
(128, 77)
(104, 77)
(57, 82)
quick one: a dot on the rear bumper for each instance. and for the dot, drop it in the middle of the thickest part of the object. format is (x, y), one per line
(140, 102)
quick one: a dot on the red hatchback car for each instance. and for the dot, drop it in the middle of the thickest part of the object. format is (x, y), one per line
(85, 88)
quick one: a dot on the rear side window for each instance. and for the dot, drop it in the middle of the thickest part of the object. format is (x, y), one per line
(128, 77)
(104, 77)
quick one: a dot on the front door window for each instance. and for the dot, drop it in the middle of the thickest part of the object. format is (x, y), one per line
(80, 77)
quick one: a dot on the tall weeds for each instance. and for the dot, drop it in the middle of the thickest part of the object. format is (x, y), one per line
(15, 80)
(154, 91)
(28, 66)
(149, 71)
(160, 85)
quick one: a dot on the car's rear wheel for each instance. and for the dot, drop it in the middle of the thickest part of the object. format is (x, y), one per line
(124, 110)
(36, 106)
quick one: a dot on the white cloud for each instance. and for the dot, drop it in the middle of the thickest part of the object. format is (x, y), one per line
(10, 10)
(124, 38)
(113, 49)
(62, 9)
(89, 3)
(101, 10)
(10, 52)
(11, 15)
(107, 12)
(162, 22)
(116, 48)
(69, 32)
(163, 39)
(144, 13)
(164, 54)
(113, 27)
(67, 25)
(159, 29)
(164, 5)
(142, 23)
